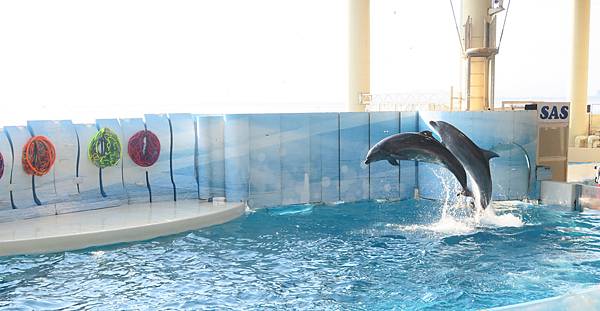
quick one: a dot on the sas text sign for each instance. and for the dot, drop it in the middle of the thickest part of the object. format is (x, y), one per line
(553, 112)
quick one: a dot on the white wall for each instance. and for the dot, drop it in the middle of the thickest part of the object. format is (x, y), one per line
(72, 59)
(414, 46)
(81, 60)
(534, 60)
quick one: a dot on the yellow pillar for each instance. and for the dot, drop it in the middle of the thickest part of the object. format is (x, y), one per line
(359, 53)
(475, 14)
(579, 69)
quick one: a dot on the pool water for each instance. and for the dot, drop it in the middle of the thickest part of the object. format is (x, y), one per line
(407, 255)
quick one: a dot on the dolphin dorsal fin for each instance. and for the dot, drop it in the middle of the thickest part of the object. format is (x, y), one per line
(427, 133)
(489, 154)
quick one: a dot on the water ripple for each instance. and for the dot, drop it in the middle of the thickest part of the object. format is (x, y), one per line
(363, 256)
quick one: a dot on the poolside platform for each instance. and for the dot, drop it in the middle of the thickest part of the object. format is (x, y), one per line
(126, 223)
(585, 299)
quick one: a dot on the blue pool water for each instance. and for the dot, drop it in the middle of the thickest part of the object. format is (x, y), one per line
(409, 255)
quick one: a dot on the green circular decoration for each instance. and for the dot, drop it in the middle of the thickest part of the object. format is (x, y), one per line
(105, 148)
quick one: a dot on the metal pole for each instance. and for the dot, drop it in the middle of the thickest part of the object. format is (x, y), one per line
(493, 81)
(451, 98)
(468, 83)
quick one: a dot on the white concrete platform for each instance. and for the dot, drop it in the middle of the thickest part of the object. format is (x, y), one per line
(558, 193)
(112, 225)
(586, 299)
(579, 172)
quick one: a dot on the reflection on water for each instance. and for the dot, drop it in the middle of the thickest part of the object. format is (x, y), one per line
(407, 255)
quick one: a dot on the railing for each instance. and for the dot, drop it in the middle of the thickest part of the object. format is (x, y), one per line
(515, 104)
(415, 101)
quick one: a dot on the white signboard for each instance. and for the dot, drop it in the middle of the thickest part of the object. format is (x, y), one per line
(553, 112)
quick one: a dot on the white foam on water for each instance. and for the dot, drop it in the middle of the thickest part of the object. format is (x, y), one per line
(490, 218)
(248, 209)
(448, 225)
(97, 253)
(458, 216)
(292, 210)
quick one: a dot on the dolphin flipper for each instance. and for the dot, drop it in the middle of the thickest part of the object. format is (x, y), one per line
(489, 154)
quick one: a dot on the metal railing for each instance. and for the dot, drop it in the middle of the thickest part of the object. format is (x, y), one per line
(414, 101)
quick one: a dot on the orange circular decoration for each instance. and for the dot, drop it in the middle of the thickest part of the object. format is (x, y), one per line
(38, 156)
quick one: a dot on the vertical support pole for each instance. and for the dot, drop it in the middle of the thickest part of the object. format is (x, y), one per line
(579, 69)
(492, 84)
(475, 17)
(359, 50)
(451, 98)
(468, 84)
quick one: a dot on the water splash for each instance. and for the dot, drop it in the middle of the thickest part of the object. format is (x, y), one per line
(458, 214)
(490, 217)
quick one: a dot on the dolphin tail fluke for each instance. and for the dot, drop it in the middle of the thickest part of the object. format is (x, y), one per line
(489, 154)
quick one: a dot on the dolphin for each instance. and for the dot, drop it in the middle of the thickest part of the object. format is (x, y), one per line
(418, 147)
(474, 159)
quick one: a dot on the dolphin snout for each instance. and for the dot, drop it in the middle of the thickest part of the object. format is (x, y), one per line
(367, 161)
(433, 123)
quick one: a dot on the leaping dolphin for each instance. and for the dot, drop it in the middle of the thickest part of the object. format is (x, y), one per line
(474, 159)
(418, 147)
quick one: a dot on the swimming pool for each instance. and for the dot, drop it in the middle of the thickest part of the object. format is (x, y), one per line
(413, 254)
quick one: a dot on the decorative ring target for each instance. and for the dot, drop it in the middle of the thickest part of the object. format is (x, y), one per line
(144, 148)
(104, 149)
(38, 156)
